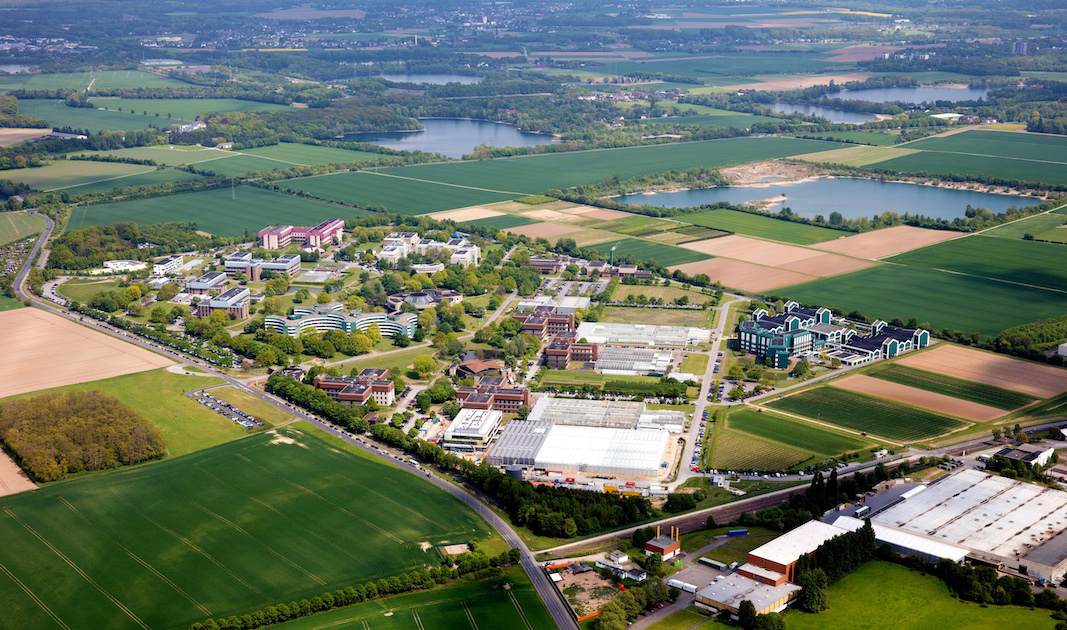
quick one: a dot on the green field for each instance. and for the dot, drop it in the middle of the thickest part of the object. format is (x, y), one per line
(83, 290)
(489, 603)
(537, 173)
(883, 596)
(681, 620)
(503, 221)
(732, 450)
(764, 227)
(1024, 262)
(271, 518)
(69, 173)
(662, 254)
(160, 395)
(214, 211)
(168, 154)
(937, 163)
(1020, 146)
(150, 178)
(1031, 225)
(859, 412)
(240, 164)
(943, 299)
(108, 79)
(661, 316)
(401, 359)
(8, 304)
(1055, 235)
(875, 138)
(181, 110)
(951, 386)
(792, 432)
(394, 193)
(293, 154)
(15, 226)
(694, 364)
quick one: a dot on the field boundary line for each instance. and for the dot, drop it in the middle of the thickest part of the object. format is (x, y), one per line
(430, 181)
(245, 533)
(522, 613)
(283, 515)
(995, 157)
(106, 179)
(37, 600)
(1029, 216)
(971, 275)
(71, 564)
(418, 622)
(140, 561)
(188, 542)
(366, 626)
(324, 499)
(826, 424)
(470, 617)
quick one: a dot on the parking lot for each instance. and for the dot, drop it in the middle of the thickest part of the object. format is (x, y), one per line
(227, 410)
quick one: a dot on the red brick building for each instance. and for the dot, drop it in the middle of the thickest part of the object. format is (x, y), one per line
(566, 348)
(357, 390)
(544, 322)
(493, 392)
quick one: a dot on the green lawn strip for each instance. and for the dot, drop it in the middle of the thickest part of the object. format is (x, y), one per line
(396, 194)
(1025, 262)
(694, 364)
(792, 432)
(859, 412)
(643, 250)
(83, 290)
(239, 164)
(149, 178)
(951, 386)
(761, 226)
(210, 523)
(132, 116)
(661, 316)
(883, 596)
(936, 163)
(101, 80)
(402, 359)
(1055, 235)
(1033, 226)
(8, 304)
(943, 299)
(693, 541)
(65, 174)
(681, 620)
(167, 154)
(251, 405)
(187, 425)
(215, 211)
(15, 226)
(503, 221)
(875, 138)
(293, 153)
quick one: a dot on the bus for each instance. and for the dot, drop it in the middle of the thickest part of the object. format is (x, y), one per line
(863, 511)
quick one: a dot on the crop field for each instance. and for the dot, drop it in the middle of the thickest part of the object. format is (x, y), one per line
(214, 211)
(858, 412)
(489, 604)
(581, 377)
(537, 173)
(792, 433)
(9, 304)
(861, 155)
(394, 193)
(736, 451)
(951, 386)
(1022, 146)
(764, 227)
(67, 174)
(660, 316)
(15, 226)
(1034, 226)
(944, 300)
(148, 178)
(132, 115)
(166, 154)
(274, 517)
(81, 80)
(907, 600)
(937, 163)
(875, 138)
(1055, 235)
(647, 250)
(502, 222)
(294, 154)
(1025, 262)
(240, 164)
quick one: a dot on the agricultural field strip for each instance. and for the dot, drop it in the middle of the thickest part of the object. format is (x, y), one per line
(987, 155)
(430, 181)
(825, 425)
(805, 436)
(951, 386)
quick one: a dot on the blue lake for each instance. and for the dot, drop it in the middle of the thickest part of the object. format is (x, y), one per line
(853, 198)
(833, 115)
(453, 137)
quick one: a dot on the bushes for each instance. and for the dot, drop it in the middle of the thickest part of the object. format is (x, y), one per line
(56, 434)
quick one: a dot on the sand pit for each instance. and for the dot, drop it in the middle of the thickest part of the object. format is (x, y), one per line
(742, 275)
(1035, 379)
(466, 214)
(919, 397)
(888, 242)
(861, 53)
(800, 82)
(12, 478)
(542, 230)
(788, 257)
(15, 135)
(42, 350)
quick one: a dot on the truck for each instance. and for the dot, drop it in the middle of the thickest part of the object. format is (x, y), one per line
(863, 511)
(737, 532)
(715, 564)
(682, 586)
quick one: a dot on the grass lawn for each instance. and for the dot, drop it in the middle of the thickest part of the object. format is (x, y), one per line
(792, 432)
(15, 226)
(187, 425)
(645, 251)
(695, 364)
(859, 412)
(83, 290)
(108, 79)
(396, 194)
(701, 537)
(7, 304)
(761, 226)
(271, 518)
(681, 620)
(734, 450)
(876, 138)
(1031, 225)
(293, 154)
(251, 405)
(63, 174)
(951, 386)
(582, 377)
(942, 299)
(402, 359)
(214, 211)
(883, 596)
(660, 316)
(503, 221)
(1025, 262)
(489, 604)
(667, 294)
(537, 173)
(148, 178)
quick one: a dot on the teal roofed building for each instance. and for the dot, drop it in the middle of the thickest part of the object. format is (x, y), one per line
(332, 316)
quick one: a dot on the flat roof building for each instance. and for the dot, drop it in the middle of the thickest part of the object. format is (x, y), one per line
(493, 392)
(233, 302)
(243, 262)
(279, 236)
(542, 445)
(332, 316)
(357, 390)
(643, 334)
(564, 305)
(613, 414)
(206, 283)
(170, 264)
(781, 554)
(472, 429)
(728, 593)
(1031, 454)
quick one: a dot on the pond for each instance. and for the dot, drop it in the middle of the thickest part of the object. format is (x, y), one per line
(453, 137)
(913, 95)
(432, 79)
(833, 115)
(853, 198)
(14, 68)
